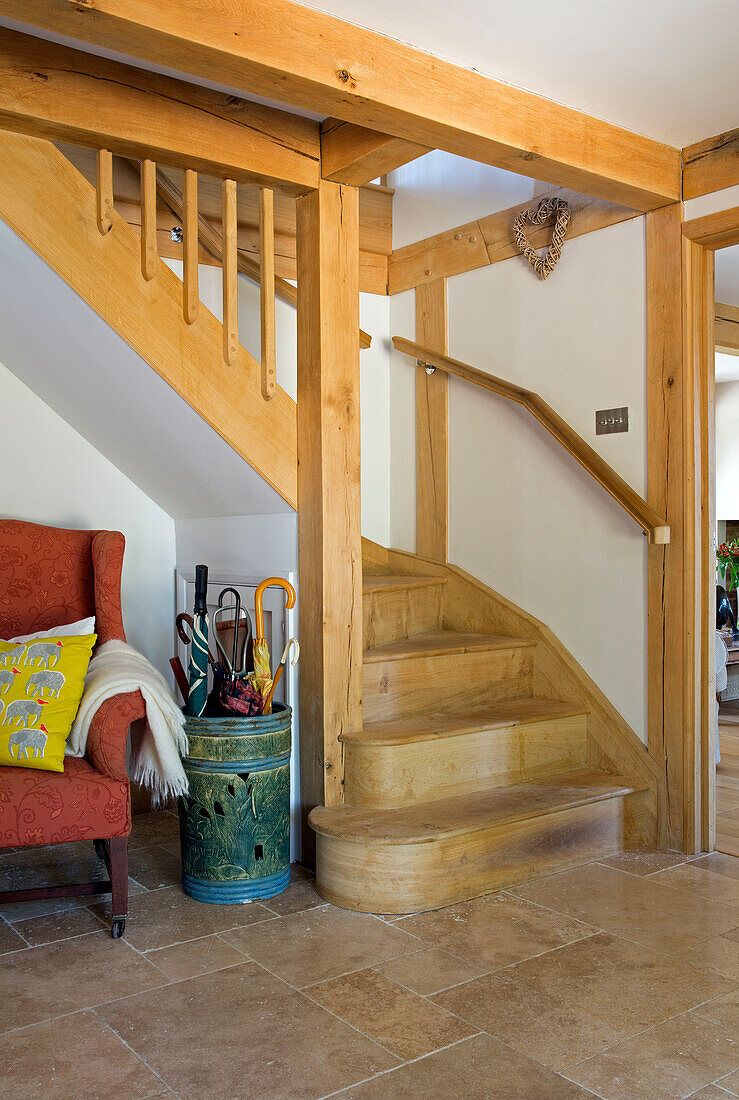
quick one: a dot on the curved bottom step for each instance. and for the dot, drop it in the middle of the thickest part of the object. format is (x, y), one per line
(434, 854)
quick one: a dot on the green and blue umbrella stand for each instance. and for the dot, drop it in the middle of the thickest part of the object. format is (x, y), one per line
(235, 819)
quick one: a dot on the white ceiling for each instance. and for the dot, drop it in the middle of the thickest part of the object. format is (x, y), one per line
(664, 68)
(80, 367)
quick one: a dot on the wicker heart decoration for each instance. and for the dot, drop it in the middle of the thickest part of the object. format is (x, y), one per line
(547, 208)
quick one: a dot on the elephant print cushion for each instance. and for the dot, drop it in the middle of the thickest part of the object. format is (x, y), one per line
(41, 684)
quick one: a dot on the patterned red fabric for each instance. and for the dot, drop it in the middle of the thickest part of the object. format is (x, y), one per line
(51, 576)
(38, 807)
(106, 741)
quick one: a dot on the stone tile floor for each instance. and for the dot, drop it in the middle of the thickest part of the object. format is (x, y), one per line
(619, 979)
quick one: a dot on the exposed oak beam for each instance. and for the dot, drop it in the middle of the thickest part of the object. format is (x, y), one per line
(726, 331)
(711, 165)
(51, 91)
(490, 239)
(356, 155)
(296, 55)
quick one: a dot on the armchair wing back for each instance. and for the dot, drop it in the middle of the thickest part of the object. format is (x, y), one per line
(52, 576)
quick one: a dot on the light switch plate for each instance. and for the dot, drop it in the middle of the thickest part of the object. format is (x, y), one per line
(609, 421)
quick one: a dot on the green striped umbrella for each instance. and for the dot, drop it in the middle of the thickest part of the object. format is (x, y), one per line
(198, 668)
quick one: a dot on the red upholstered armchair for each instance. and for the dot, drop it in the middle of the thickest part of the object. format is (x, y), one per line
(50, 577)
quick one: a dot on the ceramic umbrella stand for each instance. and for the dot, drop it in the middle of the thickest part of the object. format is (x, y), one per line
(235, 821)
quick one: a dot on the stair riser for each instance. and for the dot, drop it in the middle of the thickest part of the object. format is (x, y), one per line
(389, 776)
(455, 681)
(408, 878)
(400, 613)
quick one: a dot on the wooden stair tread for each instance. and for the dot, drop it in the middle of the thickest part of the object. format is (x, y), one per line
(442, 643)
(440, 724)
(432, 821)
(388, 581)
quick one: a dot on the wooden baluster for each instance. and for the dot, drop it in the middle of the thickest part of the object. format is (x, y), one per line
(149, 254)
(191, 296)
(267, 290)
(230, 273)
(105, 191)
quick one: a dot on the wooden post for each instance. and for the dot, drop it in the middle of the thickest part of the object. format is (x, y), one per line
(105, 191)
(432, 427)
(267, 290)
(328, 490)
(149, 253)
(230, 273)
(191, 295)
(673, 632)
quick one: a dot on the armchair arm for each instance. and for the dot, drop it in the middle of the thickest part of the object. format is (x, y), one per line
(108, 736)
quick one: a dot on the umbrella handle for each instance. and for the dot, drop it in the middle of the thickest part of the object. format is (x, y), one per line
(277, 582)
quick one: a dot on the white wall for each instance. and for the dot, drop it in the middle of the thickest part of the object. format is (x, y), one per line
(55, 477)
(524, 517)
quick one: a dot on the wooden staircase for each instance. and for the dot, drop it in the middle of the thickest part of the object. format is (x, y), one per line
(473, 770)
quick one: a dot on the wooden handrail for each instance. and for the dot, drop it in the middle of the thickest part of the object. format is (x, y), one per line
(649, 520)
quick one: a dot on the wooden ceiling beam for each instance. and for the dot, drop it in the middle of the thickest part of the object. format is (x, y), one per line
(490, 239)
(353, 154)
(726, 331)
(296, 55)
(711, 165)
(54, 92)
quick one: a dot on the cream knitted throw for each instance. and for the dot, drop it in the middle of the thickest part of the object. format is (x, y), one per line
(116, 669)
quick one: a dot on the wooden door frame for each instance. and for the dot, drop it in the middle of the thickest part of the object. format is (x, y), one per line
(702, 237)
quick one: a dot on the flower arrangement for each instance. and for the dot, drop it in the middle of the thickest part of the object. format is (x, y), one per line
(727, 561)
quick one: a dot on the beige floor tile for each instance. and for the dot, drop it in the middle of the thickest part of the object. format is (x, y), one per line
(430, 970)
(643, 861)
(162, 917)
(188, 960)
(569, 1004)
(155, 867)
(723, 1010)
(719, 955)
(405, 1024)
(55, 865)
(673, 1059)
(58, 926)
(710, 1092)
(480, 1068)
(700, 882)
(496, 930)
(243, 1033)
(9, 939)
(301, 894)
(48, 981)
(719, 863)
(157, 827)
(638, 909)
(304, 948)
(731, 1083)
(77, 1056)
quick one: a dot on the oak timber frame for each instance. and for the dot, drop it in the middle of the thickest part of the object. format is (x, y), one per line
(378, 122)
(701, 238)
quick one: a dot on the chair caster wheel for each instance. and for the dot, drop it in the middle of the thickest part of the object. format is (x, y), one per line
(99, 846)
(118, 928)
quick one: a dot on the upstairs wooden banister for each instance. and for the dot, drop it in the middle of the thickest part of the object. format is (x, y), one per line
(211, 241)
(650, 521)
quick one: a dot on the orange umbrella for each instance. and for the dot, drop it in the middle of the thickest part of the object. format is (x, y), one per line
(262, 671)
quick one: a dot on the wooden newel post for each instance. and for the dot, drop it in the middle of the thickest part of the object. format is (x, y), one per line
(330, 544)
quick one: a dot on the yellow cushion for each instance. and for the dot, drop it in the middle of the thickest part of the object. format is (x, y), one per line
(41, 684)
